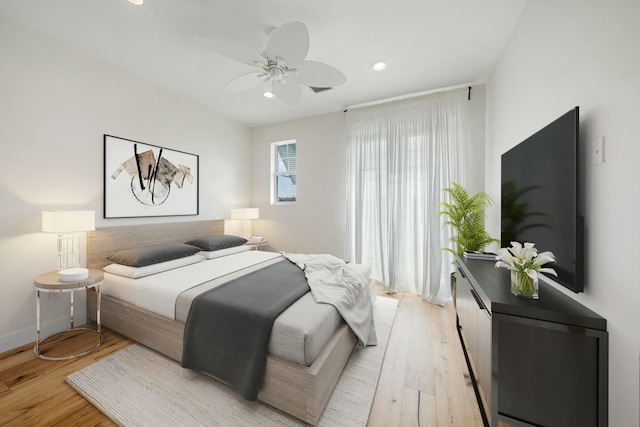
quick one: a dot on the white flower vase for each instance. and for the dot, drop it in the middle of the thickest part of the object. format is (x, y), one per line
(524, 286)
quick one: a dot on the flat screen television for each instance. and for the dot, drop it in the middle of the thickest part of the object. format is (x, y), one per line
(540, 195)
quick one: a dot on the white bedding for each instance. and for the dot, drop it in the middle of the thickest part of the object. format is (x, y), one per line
(165, 287)
(299, 333)
(347, 287)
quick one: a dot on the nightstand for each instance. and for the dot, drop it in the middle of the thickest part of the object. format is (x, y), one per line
(256, 245)
(49, 283)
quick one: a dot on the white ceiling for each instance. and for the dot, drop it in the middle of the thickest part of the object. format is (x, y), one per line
(429, 44)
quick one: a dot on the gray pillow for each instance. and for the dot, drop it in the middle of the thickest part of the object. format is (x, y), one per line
(153, 254)
(214, 243)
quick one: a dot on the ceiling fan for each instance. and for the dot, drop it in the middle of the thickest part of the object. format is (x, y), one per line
(282, 67)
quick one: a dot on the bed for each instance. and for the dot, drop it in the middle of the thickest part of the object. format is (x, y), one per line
(289, 384)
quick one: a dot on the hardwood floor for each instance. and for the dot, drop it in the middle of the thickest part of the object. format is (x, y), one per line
(424, 379)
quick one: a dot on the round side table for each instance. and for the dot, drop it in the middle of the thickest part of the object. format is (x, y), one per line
(49, 283)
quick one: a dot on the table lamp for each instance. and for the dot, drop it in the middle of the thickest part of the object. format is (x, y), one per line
(67, 224)
(245, 215)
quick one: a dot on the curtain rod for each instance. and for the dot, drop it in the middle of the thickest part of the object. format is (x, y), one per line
(412, 95)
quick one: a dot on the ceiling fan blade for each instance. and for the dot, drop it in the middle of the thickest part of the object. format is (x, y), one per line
(246, 82)
(231, 52)
(288, 92)
(290, 42)
(318, 74)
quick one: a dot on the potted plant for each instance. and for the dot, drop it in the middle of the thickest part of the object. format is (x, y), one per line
(465, 214)
(525, 264)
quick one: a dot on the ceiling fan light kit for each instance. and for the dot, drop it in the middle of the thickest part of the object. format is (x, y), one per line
(269, 91)
(282, 66)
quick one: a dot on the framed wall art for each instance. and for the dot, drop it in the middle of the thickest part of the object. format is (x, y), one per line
(143, 180)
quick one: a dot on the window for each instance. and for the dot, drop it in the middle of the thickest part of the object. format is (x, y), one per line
(283, 172)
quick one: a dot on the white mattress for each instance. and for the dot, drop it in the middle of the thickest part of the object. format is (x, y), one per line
(158, 293)
(298, 335)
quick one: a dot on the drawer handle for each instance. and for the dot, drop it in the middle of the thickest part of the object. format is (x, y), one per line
(478, 300)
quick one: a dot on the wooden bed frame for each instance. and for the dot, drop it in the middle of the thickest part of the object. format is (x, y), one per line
(298, 390)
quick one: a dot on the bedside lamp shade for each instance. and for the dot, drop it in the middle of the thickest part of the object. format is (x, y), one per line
(68, 221)
(245, 213)
(66, 224)
(244, 216)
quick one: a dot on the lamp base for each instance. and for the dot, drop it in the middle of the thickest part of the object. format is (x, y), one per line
(73, 274)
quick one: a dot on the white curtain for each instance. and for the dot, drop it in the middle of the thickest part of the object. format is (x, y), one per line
(401, 155)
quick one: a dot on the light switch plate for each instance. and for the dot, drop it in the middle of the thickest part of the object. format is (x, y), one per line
(597, 151)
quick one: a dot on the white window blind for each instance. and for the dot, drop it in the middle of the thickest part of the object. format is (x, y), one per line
(283, 172)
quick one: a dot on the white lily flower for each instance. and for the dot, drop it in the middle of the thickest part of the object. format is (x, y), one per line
(525, 259)
(548, 253)
(543, 259)
(549, 271)
(501, 253)
(504, 265)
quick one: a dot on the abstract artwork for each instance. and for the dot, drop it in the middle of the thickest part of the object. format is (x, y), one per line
(142, 180)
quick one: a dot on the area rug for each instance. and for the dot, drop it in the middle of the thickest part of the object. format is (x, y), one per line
(139, 387)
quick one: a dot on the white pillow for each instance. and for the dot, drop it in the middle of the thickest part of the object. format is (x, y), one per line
(224, 252)
(147, 270)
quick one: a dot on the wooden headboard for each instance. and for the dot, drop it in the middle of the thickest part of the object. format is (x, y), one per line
(104, 242)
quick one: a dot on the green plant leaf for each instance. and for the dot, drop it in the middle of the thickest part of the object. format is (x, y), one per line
(465, 214)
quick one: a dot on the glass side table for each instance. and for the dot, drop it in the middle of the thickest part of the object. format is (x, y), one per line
(49, 283)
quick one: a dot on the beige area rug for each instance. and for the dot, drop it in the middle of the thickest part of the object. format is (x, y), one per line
(139, 387)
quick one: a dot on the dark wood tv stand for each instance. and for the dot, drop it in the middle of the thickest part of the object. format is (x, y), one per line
(535, 362)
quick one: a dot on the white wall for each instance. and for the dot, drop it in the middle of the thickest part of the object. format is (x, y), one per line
(316, 222)
(55, 105)
(565, 53)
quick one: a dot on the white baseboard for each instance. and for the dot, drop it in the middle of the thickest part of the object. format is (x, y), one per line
(26, 336)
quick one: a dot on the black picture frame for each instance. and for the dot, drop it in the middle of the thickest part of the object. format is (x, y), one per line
(146, 180)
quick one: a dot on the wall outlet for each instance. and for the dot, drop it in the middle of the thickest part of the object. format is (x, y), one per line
(597, 151)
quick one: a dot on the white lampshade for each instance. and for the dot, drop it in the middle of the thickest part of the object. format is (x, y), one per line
(68, 221)
(245, 213)
(66, 224)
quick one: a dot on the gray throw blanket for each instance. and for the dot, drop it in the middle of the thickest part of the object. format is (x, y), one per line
(343, 285)
(228, 329)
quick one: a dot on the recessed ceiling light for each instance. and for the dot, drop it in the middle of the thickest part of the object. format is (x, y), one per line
(268, 94)
(379, 65)
(136, 2)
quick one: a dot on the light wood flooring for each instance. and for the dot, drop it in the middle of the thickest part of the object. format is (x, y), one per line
(424, 379)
